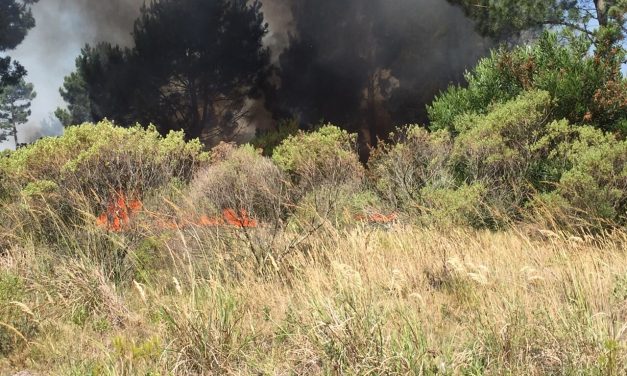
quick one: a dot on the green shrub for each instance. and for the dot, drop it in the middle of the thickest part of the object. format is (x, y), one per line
(40, 188)
(325, 173)
(98, 159)
(529, 127)
(495, 161)
(583, 89)
(593, 183)
(597, 183)
(240, 178)
(500, 150)
(66, 180)
(485, 85)
(463, 205)
(361, 202)
(326, 156)
(504, 165)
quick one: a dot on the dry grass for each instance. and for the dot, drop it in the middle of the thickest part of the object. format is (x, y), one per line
(363, 301)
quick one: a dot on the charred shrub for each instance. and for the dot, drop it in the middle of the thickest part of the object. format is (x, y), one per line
(399, 171)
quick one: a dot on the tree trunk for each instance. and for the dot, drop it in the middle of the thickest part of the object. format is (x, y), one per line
(194, 125)
(372, 112)
(15, 135)
(14, 124)
(601, 9)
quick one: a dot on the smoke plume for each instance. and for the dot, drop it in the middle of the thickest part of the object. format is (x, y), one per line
(370, 64)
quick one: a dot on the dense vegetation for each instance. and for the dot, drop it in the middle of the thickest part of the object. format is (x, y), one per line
(16, 19)
(185, 261)
(490, 241)
(116, 236)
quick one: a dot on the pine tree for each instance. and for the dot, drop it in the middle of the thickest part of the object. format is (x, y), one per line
(15, 101)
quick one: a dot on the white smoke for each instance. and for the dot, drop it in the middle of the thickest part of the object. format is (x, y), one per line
(49, 51)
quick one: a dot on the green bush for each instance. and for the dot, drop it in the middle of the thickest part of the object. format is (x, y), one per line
(268, 140)
(463, 205)
(95, 159)
(494, 161)
(326, 156)
(500, 150)
(584, 89)
(90, 163)
(592, 186)
(503, 166)
(325, 174)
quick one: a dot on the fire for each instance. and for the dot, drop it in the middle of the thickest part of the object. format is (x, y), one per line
(120, 210)
(240, 221)
(205, 221)
(377, 218)
(229, 218)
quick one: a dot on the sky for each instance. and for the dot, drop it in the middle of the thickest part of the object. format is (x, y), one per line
(49, 50)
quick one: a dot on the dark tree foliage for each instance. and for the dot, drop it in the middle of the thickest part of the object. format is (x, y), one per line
(192, 66)
(102, 86)
(10, 71)
(205, 58)
(16, 19)
(505, 18)
(74, 93)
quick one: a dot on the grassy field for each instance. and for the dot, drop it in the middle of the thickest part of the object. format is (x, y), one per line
(368, 300)
(126, 253)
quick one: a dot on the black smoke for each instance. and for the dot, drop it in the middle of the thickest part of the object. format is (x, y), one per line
(369, 65)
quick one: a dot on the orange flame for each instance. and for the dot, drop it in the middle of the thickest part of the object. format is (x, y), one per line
(242, 221)
(377, 218)
(205, 221)
(230, 218)
(118, 212)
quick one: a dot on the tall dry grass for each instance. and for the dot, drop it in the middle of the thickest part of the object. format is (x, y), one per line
(364, 300)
